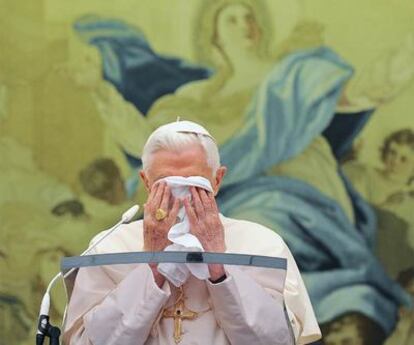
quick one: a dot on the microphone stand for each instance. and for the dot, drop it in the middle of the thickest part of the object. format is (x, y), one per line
(44, 328)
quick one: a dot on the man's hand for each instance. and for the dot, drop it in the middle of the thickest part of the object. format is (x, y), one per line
(206, 225)
(155, 231)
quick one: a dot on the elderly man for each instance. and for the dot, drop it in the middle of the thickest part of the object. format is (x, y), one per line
(170, 303)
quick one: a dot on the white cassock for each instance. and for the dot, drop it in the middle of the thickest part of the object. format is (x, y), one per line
(121, 304)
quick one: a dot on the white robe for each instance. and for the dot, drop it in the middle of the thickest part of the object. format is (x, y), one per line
(121, 304)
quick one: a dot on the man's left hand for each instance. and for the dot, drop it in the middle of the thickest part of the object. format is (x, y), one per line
(206, 225)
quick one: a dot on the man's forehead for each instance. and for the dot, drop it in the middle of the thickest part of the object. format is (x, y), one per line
(191, 154)
(191, 161)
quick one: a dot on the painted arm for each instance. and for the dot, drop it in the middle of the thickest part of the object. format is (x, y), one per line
(126, 124)
(380, 81)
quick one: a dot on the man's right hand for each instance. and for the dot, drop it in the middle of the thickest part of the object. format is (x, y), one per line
(156, 231)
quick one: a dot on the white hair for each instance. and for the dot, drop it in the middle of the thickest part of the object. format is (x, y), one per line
(164, 139)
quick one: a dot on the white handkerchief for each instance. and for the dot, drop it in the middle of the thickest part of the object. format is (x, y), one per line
(180, 236)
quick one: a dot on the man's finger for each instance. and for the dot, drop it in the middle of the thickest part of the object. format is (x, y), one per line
(156, 201)
(151, 193)
(213, 201)
(198, 205)
(205, 200)
(165, 201)
(192, 217)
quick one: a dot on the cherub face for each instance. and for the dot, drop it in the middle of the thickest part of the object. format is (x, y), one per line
(237, 26)
(399, 160)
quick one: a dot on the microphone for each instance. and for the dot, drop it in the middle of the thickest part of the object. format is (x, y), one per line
(129, 214)
(44, 328)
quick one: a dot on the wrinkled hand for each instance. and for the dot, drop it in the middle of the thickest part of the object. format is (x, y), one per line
(204, 219)
(384, 77)
(401, 69)
(206, 225)
(155, 231)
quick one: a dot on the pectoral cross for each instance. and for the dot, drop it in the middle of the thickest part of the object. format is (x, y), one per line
(179, 313)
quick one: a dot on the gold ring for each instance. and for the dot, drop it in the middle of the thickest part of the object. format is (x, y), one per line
(160, 214)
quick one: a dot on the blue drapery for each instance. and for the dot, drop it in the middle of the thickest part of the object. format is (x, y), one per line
(335, 257)
(129, 63)
(142, 76)
(293, 106)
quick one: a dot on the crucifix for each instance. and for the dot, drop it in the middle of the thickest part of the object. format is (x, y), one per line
(179, 312)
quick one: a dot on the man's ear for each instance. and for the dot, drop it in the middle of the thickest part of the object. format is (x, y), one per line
(144, 179)
(219, 178)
